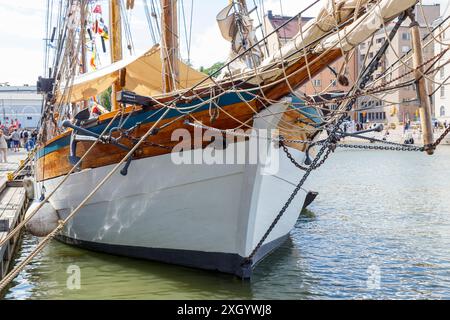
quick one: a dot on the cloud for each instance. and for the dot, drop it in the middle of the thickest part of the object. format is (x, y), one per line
(26, 19)
(209, 47)
(22, 25)
(21, 45)
(20, 66)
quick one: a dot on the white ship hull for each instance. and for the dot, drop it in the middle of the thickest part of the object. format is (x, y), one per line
(203, 216)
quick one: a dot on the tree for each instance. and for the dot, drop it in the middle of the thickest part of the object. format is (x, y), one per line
(213, 69)
(105, 98)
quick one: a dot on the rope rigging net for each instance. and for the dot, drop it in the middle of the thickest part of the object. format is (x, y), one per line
(66, 62)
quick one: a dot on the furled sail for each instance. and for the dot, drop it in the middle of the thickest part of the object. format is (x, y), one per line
(143, 76)
(361, 29)
(334, 13)
(227, 23)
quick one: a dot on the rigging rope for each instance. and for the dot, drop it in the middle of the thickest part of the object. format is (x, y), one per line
(17, 229)
(325, 151)
(4, 282)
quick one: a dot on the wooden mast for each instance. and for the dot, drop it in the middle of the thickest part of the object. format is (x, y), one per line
(169, 46)
(83, 42)
(422, 85)
(116, 45)
(243, 5)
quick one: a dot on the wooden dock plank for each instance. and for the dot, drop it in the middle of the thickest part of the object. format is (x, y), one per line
(13, 205)
(13, 202)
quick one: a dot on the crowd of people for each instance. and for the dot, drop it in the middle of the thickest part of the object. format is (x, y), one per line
(443, 125)
(13, 137)
(352, 126)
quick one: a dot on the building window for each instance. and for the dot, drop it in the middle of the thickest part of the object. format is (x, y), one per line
(316, 83)
(406, 36)
(380, 40)
(442, 91)
(333, 83)
(442, 72)
(405, 49)
(29, 118)
(442, 112)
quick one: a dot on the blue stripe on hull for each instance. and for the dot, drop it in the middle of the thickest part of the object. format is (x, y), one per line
(144, 117)
(224, 101)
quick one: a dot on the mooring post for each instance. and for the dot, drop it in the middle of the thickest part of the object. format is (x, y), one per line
(422, 85)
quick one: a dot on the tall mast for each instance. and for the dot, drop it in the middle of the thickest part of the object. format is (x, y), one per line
(169, 46)
(243, 5)
(116, 45)
(83, 41)
(83, 36)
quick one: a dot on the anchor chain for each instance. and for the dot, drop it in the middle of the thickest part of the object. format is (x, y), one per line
(388, 148)
(333, 137)
(324, 150)
(442, 136)
(298, 165)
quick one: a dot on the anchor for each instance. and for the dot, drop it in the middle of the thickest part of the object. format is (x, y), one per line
(124, 170)
(87, 135)
(81, 116)
(357, 134)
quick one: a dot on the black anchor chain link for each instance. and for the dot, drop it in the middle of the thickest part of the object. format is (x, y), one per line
(329, 145)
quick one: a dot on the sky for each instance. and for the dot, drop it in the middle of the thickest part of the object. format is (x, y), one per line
(22, 30)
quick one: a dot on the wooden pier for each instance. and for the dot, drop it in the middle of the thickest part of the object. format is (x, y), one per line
(13, 205)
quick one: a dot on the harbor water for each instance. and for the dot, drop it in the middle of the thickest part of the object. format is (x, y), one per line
(380, 228)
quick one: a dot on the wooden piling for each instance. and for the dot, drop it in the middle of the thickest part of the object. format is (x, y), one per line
(422, 88)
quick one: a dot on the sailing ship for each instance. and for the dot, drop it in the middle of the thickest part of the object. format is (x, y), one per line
(204, 216)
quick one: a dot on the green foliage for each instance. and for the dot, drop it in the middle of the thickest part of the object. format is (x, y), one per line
(105, 99)
(211, 70)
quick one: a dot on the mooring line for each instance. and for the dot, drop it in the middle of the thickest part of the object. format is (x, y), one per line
(28, 218)
(61, 224)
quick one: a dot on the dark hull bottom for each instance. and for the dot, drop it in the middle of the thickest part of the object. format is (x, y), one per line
(215, 261)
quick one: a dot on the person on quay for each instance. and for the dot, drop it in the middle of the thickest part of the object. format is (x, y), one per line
(15, 137)
(3, 147)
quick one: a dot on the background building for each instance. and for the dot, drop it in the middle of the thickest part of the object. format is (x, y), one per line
(21, 103)
(284, 34)
(442, 92)
(326, 80)
(400, 105)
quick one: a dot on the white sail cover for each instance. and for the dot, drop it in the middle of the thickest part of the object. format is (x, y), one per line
(336, 12)
(364, 27)
(143, 76)
(332, 14)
